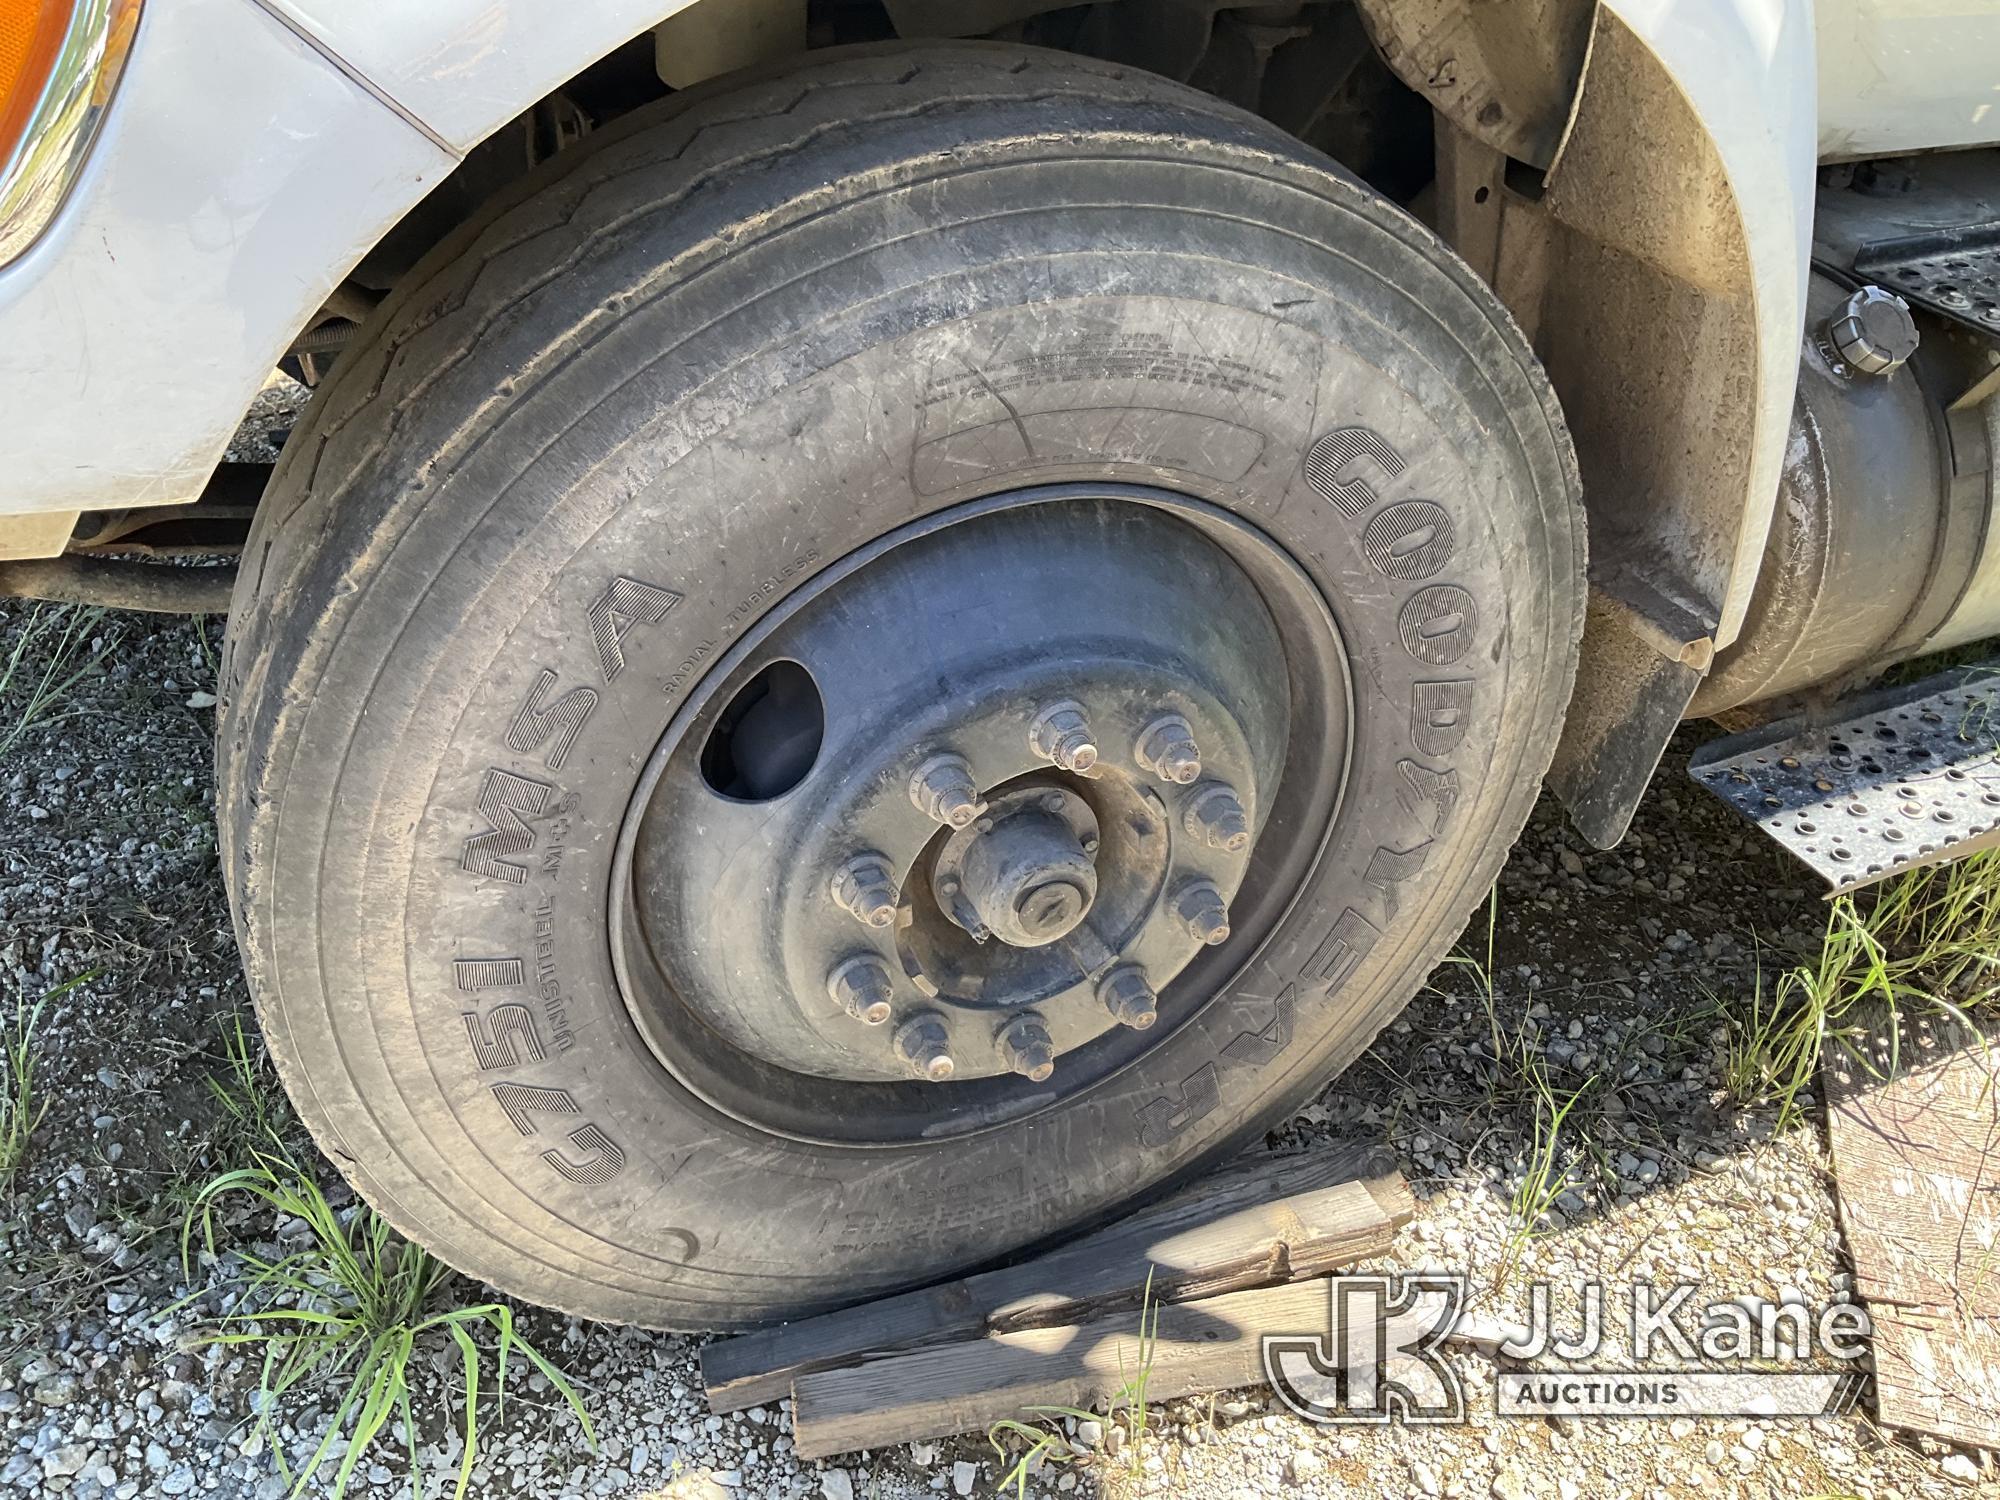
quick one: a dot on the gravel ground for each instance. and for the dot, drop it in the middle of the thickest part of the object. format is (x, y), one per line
(1610, 966)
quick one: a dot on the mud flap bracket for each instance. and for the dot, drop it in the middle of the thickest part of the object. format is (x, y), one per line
(1644, 654)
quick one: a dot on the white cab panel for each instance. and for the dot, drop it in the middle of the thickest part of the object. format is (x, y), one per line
(236, 179)
(466, 67)
(1907, 75)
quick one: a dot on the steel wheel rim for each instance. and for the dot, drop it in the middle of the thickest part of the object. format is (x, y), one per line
(1295, 818)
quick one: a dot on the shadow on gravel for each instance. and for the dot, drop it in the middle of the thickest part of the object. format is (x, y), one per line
(1575, 1054)
(1600, 1002)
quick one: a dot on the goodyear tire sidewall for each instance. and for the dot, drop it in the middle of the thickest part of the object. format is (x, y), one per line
(1304, 368)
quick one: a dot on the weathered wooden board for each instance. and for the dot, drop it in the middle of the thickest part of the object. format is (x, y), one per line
(1259, 1220)
(1916, 1150)
(1210, 1345)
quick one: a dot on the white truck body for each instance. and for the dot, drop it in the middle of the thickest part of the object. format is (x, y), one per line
(256, 149)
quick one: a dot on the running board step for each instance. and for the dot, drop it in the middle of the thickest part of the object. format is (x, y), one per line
(1908, 777)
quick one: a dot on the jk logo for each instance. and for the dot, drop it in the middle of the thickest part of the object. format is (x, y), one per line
(1379, 1358)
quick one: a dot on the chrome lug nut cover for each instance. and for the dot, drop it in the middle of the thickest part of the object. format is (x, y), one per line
(944, 791)
(865, 888)
(1214, 814)
(1202, 911)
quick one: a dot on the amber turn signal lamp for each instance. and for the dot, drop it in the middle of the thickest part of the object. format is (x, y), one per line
(31, 37)
(60, 60)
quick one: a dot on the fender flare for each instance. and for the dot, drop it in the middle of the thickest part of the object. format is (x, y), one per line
(1661, 270)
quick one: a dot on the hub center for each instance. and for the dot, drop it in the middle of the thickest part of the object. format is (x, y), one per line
(1028, 878)
(1025, 871)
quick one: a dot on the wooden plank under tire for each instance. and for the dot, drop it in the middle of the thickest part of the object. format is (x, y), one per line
(1211, 1345)
(1262, 1219)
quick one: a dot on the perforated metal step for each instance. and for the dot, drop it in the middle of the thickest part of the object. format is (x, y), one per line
(1908, 777)
(1954, 272)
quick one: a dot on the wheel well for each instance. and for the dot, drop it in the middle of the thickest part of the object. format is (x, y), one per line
(1308, 67)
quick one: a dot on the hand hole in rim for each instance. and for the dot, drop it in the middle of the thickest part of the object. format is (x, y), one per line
(768, 738)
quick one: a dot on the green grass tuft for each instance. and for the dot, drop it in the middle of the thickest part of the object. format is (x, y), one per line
(1506, 1055)
(1928, 939)
(1520, 1091)
(58, 637)
(1544, 1177)
(1046, 1445)
(350, 1311)
(249, 1092)
(20, 1109)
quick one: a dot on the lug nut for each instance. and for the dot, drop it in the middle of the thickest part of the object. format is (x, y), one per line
(864, 987)
(1215, 816)
(1130, 999)
(1202, 911)
(865, 887)
(1062, 734)
(1027, 1048)
(944, 790)
(1166, 747)
(925, 1046)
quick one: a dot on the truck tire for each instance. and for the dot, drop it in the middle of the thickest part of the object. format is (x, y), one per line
(890, 657)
